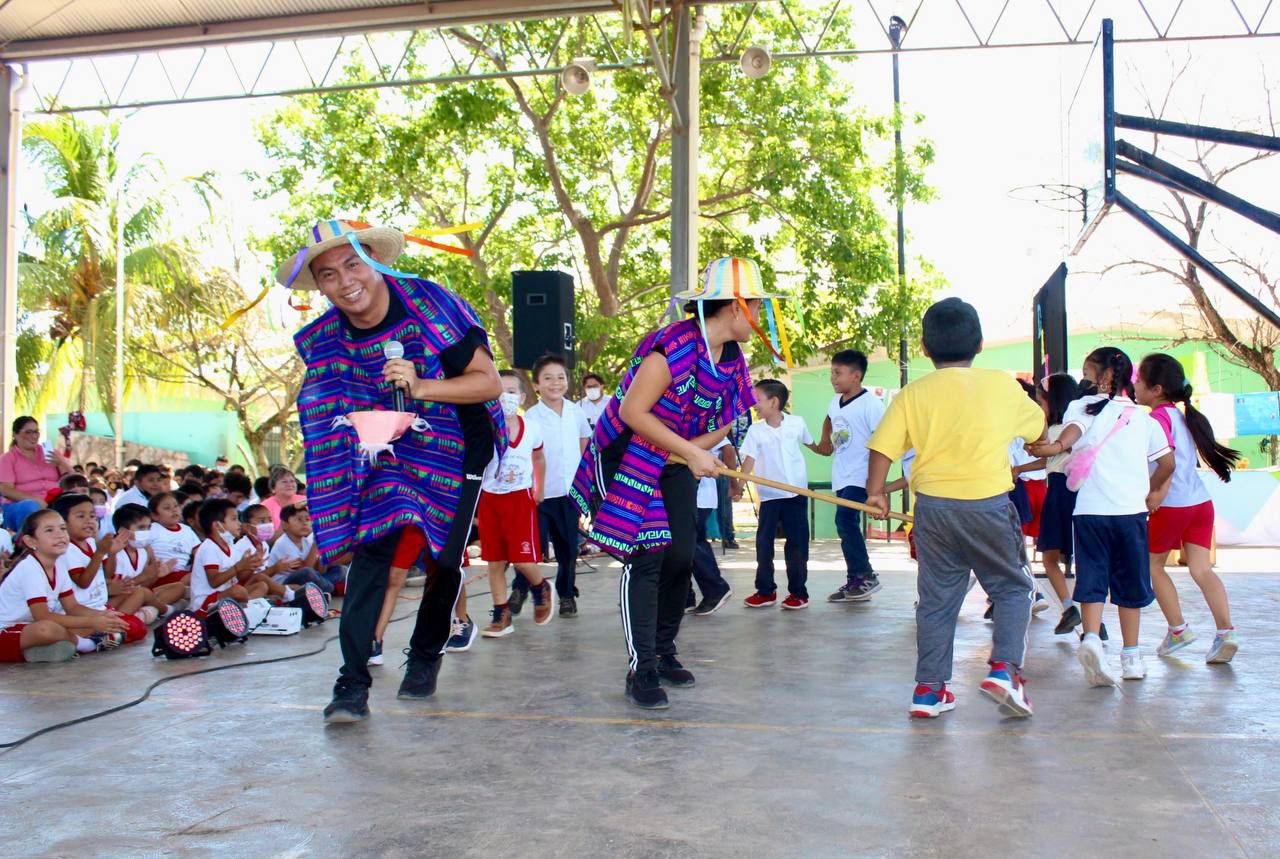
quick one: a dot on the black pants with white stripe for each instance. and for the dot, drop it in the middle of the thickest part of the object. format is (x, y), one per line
(655, 585)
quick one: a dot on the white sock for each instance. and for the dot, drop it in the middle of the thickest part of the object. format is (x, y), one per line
(1130, 651)
(1091, 636)
(1225, 631)
(84, 645)
(1067, 603)
(1179, 629)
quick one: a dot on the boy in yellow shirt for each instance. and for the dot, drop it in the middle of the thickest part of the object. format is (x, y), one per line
(960, 420)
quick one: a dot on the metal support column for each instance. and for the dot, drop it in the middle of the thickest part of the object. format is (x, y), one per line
(684, 151)
(10, 152)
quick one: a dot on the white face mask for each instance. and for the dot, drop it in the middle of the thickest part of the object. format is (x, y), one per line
(594, 394)
(510, 403)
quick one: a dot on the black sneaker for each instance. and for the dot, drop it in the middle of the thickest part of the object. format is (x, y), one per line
(690, 602)
(568, 607)
(710, 605)
(645, 691)
(515, 602)
(350, 704)
(419, 676)
(1068, 622)
(671, 672)
(991, 607)
(730, 544)
(1102, 633)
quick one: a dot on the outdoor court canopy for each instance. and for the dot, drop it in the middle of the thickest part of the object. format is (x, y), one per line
(86, 34)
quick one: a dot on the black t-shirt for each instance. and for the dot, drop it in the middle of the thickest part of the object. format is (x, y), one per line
(477, 429)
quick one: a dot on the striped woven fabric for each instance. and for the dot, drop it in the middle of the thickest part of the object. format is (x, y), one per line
(629, 515)
(352, 500)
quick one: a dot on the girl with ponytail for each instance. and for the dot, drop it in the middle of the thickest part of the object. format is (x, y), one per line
(1185, 516)
(1115, 493)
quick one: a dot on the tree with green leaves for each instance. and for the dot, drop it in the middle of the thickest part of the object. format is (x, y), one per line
(791, 175)
(67, 271)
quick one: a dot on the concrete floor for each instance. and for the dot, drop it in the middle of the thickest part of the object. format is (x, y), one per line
(795, 742)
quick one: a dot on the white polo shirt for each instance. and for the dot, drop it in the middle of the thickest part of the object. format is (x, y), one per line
(708, 491)
(174, 544)
(1187, 488)
(1119, 481)
(562, 436)
(28, 583)
(74, 560)
(777, 454)
(211, 557)
(593, 411)
(852, 423)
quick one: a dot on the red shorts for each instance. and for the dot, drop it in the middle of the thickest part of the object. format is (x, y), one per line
(173, 578)
(1036, 492)
(210, 600)
(11, 643)
(1170, 528)
(509, 527)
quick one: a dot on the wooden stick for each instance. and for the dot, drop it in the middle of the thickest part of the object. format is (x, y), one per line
(801, 490)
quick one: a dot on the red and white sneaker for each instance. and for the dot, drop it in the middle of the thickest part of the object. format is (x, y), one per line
(1004, 686)
(795, 603)
(928, 704)
(759, 600)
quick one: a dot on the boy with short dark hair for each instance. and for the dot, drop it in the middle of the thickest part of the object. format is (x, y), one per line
(772, 449)
(565, 431)
(960, 421)
(852, 417)
(294, 554)
(218, 565)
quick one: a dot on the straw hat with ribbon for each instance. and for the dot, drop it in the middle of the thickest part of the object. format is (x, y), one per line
(738, 279)
(386, 243)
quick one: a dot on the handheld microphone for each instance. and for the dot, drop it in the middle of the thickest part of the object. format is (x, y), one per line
(392, 350)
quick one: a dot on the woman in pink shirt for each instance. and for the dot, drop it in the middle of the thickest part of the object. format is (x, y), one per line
(284, 491)
(27, 474)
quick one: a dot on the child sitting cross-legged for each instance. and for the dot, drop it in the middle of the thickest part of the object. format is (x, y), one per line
(218, 566)
(30, 628)
(294, 555)
(256, 530)
(85, 564)
(171, 539)
(135, 561)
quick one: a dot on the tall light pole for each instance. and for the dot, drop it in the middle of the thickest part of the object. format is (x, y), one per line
(897, 28)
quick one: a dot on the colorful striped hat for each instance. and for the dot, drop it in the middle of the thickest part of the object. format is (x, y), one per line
(386, 243)
(728, 278)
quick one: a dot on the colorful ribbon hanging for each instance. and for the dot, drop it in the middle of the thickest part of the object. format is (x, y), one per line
(419, 237)
(235, 316)
(782, 332)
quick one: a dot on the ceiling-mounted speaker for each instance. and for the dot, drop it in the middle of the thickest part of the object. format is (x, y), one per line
(756, 61)
(576, 77)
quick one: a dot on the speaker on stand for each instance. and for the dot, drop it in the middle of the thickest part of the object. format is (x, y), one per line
(542, 317)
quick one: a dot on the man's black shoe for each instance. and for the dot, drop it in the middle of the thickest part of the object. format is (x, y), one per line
(671, 672)
(515, 602)
(710, 605)
(991, 608)
(350, 704)
(419, 676)
(568, 607)
(730, 543)
(1069, 621)
(645, 692)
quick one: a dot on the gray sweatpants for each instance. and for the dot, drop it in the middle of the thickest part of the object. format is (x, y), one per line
(952, 538)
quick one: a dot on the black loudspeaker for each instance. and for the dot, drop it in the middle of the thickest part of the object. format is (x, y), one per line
(542, 317)
(1049, 326)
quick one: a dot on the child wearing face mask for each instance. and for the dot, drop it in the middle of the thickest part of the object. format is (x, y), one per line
(256, 530)
(593, 403)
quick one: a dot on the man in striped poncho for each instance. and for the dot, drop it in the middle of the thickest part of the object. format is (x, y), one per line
(388, 509)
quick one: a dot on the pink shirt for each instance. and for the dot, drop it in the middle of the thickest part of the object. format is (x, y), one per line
(274, 507)
(33, 477)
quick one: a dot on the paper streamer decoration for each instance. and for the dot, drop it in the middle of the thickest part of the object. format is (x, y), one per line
(235, 316)
(419, 237)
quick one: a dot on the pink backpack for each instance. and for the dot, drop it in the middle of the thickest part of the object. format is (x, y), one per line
(1080, 462)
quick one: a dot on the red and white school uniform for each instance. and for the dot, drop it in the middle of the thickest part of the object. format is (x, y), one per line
(173, 543)
(130, 562)
(28, 583)
(74, 561)
(212, 556)
(508, 516)
(1187, 515)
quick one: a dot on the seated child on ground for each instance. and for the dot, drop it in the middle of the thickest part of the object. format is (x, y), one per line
(171, 540)
(135, 561)
(256, 530)
(294, 555)
(218, 567)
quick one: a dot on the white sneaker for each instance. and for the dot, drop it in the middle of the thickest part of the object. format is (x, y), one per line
(1132, 666)
(1094, 662)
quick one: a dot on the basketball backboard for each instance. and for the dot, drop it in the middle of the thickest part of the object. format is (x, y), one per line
(1089, 145)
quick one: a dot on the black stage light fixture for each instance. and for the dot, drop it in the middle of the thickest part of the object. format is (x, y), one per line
(312, 601)
(182, 636)
(228, 624)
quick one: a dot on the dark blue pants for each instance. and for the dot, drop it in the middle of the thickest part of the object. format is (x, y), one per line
(558, 519)
(724, 509)
(849, 527)
(706, 572)
(793, 513)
